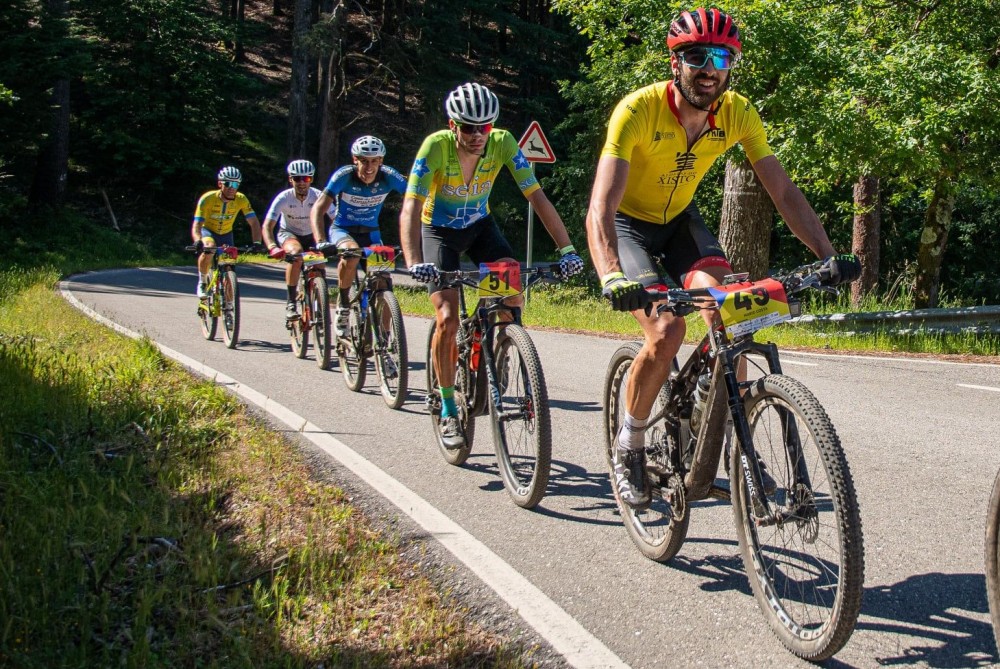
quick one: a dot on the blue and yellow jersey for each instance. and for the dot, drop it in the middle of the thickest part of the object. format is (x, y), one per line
(663, 174)
(436, 178)
(218, 215)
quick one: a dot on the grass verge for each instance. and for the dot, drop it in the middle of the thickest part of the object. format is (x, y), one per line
(147, 519)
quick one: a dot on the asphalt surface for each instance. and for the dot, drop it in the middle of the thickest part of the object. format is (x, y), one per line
(920, 437)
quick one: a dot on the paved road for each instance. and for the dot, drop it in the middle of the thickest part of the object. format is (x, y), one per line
(921, 438)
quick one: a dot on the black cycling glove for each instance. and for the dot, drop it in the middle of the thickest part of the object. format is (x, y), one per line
(625, 295)
(843, 268)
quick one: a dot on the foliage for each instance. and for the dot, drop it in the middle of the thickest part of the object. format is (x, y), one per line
(906, 91)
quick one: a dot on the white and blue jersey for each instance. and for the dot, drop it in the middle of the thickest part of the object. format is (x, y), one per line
(358, 203)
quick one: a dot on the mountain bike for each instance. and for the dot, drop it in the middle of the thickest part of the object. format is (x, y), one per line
(993, 558)
(375, 327)
(223, 299)
(314, 308)
(499, 373)
(794, 504)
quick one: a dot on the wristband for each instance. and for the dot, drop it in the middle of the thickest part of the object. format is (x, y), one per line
(611, 276)
(567, 249)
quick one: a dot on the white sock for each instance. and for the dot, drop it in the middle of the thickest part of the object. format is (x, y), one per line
(632, 432)
(202, 278)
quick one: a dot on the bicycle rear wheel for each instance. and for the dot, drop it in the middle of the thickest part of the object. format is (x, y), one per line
(806, 563)
(390, 354)
(209, 323)
(319, 308)
(522, 432)
(229, 290)
(658, 531)
(351, 350)
(463, 401)
(993, 558)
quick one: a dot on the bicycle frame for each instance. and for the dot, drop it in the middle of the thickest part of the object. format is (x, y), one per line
(220, 259)
(719, 356)
(478, 330)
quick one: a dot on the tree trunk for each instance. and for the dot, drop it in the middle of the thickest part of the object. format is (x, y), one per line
(241, 15)
(297, 107)
(747, 215)
(48, 186)
(933, 241)
(276, 8)
(866, 236)
(333, 87)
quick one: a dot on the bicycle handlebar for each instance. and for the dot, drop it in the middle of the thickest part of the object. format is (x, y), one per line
(530, 276)
(681, 301)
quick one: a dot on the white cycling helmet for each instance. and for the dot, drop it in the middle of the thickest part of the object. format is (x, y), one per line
(472, 103)
(368, 146)
(301, 168)
(230, 173)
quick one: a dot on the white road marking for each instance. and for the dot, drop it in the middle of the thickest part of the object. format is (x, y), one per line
(567, 636)
(969, 385)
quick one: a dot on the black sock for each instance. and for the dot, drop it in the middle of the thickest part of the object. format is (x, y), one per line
(345, 297)
(293, 292)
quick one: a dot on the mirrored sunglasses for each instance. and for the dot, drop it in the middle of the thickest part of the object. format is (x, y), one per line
(722, 59)
(302, 179)
(471, 128)
(230, 184)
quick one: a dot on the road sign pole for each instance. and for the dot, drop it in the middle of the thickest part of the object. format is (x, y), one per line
(531, 237)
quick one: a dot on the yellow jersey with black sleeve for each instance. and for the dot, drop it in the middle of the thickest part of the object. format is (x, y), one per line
(218, 215)
(436, 178)
(663, 174)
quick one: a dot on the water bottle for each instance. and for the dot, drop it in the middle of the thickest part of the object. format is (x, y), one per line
(700, 395)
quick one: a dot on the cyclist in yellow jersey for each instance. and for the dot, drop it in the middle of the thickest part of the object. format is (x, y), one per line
(446, 213)
(214, 217)
(661, 141)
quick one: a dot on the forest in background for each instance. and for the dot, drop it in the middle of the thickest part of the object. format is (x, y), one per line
(885, 114)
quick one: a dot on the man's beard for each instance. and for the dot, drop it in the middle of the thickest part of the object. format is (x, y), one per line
(699, 99)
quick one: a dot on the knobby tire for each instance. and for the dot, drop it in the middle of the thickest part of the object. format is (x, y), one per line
(655, 531)
(319, 307)
(393, 383)
(993, 558)
(229, 292)
(523, 439)
(463, 384)
(807, 571)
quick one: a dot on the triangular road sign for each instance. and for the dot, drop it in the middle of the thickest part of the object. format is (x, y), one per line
(534, 146)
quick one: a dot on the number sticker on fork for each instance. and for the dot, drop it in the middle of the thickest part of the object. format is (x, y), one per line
(749, 306)
(310, 259)
(381, 258)
(499, 279)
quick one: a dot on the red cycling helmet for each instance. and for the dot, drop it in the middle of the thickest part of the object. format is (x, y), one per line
(704, 26)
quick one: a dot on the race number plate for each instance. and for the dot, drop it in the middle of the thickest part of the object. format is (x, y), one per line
(499, 279)
(750, 306)
(310, 259)
(381, 258)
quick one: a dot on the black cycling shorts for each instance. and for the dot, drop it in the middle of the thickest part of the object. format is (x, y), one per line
(482, 241)
(682, 245)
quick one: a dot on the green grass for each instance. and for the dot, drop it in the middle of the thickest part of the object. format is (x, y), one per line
(148, 520)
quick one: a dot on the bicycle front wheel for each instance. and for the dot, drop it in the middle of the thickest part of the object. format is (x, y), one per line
(390, 349)
(522, 432)
(658, 531)
(298, 330)
(209, 322)
(319, 308)
(229, 290)
(993, 558)
(351, 350)
(806, 560)
(463, 401)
